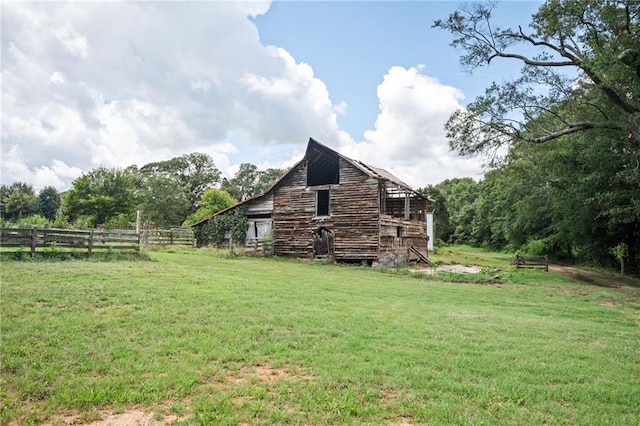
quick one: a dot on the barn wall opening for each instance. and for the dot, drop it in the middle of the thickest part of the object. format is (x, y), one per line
(323, 242)
(323, 169)
(322, 202)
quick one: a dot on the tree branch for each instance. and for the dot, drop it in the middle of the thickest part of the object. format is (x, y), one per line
(571, 128)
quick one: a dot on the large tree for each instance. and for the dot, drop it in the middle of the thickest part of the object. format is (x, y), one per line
(101, 194)
(162, 199)
(49, 202)
(586, 52)
(196, 172)
(249, 181)
(213, 200)
(453, 209)
(17, 200)
(578, 100)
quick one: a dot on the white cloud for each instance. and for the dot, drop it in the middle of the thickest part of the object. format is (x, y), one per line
(173, 78)
(340, 108)
(187, 77)
(73, 42)
(409, 138)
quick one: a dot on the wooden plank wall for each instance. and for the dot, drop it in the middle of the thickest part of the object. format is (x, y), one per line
(261, 205)
(414, 233)
(353, 217)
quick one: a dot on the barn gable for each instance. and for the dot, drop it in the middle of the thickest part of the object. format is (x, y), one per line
(328, 205)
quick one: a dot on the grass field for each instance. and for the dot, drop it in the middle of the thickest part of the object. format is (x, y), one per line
(196, 338)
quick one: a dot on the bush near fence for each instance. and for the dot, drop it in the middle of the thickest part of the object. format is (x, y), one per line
(42, 241)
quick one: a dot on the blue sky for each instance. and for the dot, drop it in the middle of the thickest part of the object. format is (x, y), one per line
(351, 45)
(242, 82)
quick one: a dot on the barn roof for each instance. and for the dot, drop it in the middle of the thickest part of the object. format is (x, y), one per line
(319, 152)
(374, 172)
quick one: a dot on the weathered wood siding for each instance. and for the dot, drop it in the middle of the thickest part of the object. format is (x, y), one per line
(261, 205)
(412, 233)
(353, 218)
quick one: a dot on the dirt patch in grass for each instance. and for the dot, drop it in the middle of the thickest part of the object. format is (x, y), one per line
(265, 373)
(597, 278)
(403, 421)
(134, 417)
(461, 269)
(262, 373)
(619, 283)
(131, 417)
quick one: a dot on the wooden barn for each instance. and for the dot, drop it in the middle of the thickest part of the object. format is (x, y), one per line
(328, 205)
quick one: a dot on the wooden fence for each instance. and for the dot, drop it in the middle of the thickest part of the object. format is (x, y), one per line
(168, 237)
(532, 262)
(32, 241)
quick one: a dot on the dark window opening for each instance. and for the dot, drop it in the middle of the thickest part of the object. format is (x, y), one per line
(322, 202)
(323, 170)
(259, 216)
(399, 231)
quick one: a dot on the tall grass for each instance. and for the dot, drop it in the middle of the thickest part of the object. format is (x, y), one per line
(261, 341)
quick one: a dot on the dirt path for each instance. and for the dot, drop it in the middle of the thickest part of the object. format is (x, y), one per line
(597, 278)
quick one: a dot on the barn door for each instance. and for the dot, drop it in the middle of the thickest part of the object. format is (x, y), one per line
(323, 243)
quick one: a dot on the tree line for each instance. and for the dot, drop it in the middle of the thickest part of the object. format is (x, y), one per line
(566, 182)
(175, 192)
(569, 184)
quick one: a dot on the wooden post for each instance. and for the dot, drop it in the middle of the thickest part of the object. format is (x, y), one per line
(90, 245)
(138, 221)
(34, 240)
(407, 206)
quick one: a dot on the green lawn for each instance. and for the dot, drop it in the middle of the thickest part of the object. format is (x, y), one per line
(214, 340)
(469, 256)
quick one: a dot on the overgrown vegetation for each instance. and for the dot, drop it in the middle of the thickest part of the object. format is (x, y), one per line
(220, 340)
(218, 229)
(569, 184)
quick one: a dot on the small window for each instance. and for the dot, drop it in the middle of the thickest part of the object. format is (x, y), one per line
(399, 231)
(322, 202)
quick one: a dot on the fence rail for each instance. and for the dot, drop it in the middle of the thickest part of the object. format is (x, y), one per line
(532, 262)
(32, 241)
(168, 237)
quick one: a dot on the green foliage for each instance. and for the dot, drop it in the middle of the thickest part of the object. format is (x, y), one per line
(196, 172)
(571, 176)
(453, 209)
(621, 253)
(586, 55)
(49, 202)
(213, 200)
(534, 248)
(102, 195)
(215, 231)
(17, 200)
(163, 199)
(33, 220)
(249, 181)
